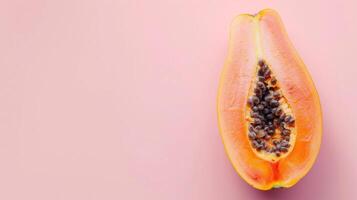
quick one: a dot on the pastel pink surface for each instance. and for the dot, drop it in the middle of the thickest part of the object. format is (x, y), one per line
(117, 99)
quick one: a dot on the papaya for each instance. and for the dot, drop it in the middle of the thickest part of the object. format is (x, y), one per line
(269, 111)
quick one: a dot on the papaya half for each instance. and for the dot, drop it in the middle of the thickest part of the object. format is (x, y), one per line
(269, 111)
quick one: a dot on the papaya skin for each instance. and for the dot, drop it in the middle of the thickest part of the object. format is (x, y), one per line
(255, 37)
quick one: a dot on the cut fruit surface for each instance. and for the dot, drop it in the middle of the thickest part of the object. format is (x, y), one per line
(269, 112)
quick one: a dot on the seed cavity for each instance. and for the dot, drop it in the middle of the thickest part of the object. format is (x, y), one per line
(271, 121)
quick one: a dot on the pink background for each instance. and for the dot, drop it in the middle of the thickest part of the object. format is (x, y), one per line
(116, 99)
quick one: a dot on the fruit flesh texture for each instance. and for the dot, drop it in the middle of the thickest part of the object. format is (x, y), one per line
(263, 37)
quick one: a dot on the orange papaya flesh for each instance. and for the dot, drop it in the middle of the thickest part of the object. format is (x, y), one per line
(253, 40)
